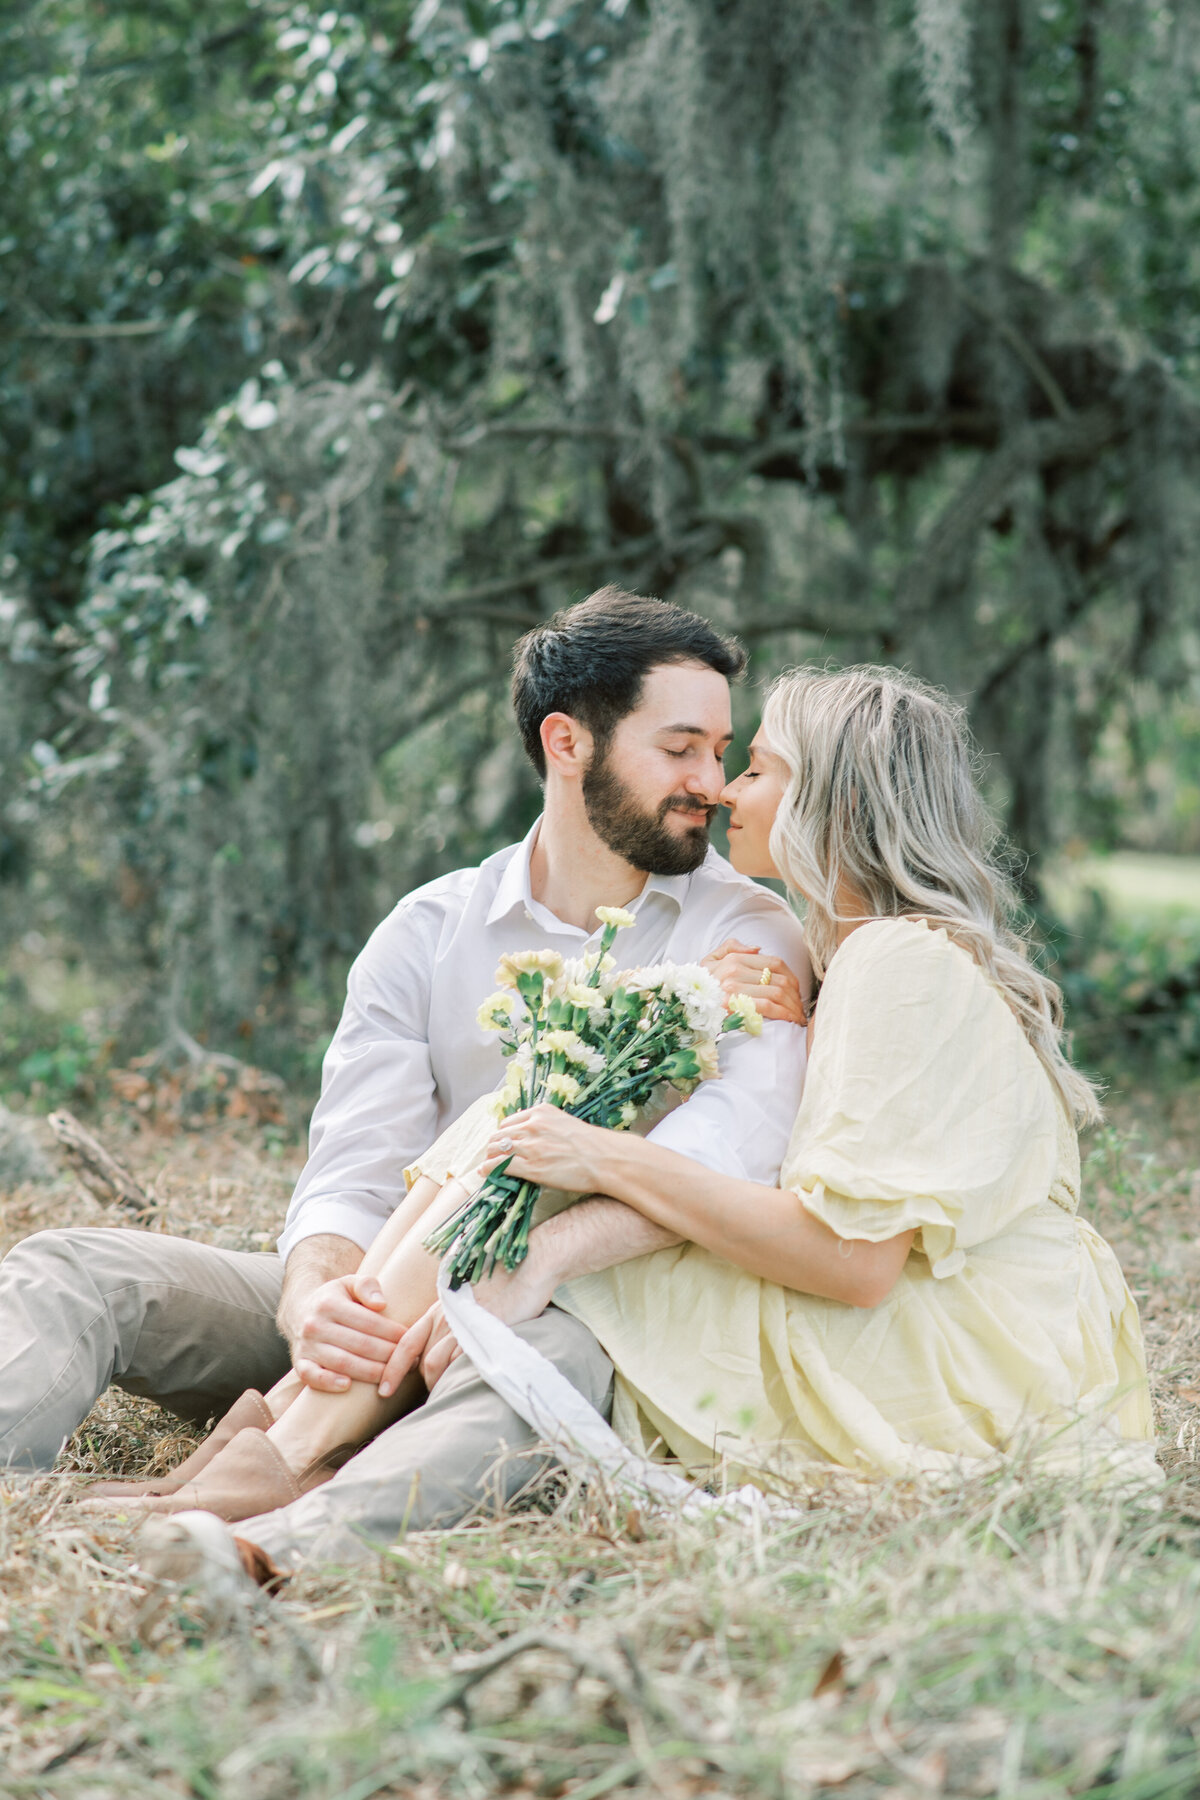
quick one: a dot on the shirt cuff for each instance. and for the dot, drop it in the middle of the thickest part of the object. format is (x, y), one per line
(342, 1217)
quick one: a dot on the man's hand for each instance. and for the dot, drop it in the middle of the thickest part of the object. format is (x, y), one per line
(344, 1334)
(512, 1295)
(332, 1317)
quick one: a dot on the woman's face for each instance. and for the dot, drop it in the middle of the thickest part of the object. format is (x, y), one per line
(753, 799)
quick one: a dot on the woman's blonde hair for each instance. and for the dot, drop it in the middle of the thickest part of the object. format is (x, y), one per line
(882, 797)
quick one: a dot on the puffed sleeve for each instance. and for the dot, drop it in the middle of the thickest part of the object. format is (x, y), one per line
(459, 1150)
(925, 1106)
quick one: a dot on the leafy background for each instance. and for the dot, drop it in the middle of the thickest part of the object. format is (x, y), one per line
(338, 346)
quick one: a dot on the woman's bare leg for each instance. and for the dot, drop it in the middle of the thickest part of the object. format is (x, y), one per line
(418, 1200)
(315, 1425)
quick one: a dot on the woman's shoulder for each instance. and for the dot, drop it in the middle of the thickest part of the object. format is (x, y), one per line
(911, 950)
(910, 976)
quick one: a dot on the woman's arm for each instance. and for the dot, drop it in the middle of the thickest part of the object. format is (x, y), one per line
(765, 1230)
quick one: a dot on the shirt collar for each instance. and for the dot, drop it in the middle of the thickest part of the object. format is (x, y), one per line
(514, 889)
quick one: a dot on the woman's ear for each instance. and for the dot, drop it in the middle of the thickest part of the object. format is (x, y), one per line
(567, 744)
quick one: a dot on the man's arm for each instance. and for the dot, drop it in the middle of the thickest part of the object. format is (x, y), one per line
(377, 1112)
(740, 1124)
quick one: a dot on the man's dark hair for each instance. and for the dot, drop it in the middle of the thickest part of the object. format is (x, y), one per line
(591, 659)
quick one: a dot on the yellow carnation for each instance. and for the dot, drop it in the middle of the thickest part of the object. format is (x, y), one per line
(507, 1099)
(496, 1012)
(616, 916)
(751, 1017)
(708, 1058)
(580, 994)
(562, 1087)
(526, 962)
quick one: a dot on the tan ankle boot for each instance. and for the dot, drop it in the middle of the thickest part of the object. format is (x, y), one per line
(250, 1410)
(247, 1477)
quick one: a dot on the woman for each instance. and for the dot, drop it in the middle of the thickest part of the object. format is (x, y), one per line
(918, 1290)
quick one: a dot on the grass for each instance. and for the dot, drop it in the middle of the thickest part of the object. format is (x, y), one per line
(1011, 1637)
(1134, 883)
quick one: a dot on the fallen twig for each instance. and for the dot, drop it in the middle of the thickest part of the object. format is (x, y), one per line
(108, 1180)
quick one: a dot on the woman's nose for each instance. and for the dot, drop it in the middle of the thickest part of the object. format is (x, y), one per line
(729, 792)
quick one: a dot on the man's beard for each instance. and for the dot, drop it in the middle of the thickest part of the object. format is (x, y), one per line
(642, 838)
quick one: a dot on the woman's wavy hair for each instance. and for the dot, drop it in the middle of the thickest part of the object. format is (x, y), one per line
(883, 796)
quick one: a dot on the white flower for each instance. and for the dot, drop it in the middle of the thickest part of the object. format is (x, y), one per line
(563, 1087)
(751, 1017)
(616, 916)
(527, 962)
(700, 995)
(708, 1057)
(594, 958)
(648, 981)
(496, 1012)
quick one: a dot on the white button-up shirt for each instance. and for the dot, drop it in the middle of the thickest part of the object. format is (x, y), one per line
(409, 1055)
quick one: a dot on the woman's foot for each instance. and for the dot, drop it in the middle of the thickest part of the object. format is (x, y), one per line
(249, 1411)
(247, 1477)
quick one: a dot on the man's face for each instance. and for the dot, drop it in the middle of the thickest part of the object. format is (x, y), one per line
(652, 795)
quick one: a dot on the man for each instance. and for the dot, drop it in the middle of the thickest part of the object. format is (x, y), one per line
(623, 705)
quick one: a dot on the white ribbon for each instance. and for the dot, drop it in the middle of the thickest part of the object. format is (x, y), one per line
(583, 1441)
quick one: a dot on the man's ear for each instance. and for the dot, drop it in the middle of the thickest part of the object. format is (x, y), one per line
(568, 745)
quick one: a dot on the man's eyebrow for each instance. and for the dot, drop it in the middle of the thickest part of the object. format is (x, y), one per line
(692, 731)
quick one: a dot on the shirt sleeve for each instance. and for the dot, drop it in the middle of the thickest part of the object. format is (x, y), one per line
(378, 1105)
(739, 1125)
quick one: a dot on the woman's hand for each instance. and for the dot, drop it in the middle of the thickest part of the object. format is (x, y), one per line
(546, 1145)
(514, 1295)
(739, 969)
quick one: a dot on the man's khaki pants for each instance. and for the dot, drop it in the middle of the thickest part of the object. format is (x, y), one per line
(192, 1327)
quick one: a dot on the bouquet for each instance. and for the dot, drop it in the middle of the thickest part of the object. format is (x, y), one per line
(596, 1043)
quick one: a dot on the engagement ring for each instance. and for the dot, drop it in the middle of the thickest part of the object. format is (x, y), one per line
(764, 979)
(505, 1143)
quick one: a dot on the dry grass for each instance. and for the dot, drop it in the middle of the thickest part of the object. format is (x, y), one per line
(1011, 1638)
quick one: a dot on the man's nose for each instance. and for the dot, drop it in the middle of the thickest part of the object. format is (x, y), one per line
(707, 780)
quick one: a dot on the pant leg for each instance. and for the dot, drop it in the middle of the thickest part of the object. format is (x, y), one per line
(461, 1447)
(180, 1322)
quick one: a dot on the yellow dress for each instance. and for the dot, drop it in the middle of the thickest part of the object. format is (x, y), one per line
(1011, 1323)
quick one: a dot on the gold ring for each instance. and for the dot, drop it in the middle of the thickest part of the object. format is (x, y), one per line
(764, 979)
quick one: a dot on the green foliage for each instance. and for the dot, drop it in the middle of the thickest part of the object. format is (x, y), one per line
(50, 1058)
(1131, 984)
(342, 344)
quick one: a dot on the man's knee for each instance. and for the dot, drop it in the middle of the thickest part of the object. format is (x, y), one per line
(573, 1349)
(575, 1352)
(60, 1248)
